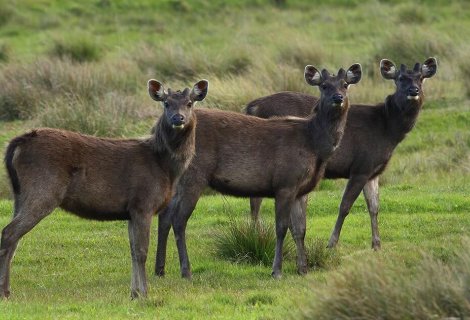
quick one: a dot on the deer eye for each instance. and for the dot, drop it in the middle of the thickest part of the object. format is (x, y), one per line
(323, 86)
(190, 103)
(165, 104)
(346, 85)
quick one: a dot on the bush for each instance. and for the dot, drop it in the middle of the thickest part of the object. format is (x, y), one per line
(384, 289)
(79, 48)
(248, 242)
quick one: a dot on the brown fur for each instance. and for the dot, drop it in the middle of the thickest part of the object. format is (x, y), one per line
(98, 178)
(246, 156)
(371, 135)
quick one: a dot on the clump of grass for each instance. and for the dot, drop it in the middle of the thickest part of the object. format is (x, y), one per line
(4, 52)
(110, 115)
(79, 48)
(319, 257)
(384, 288)
(183, 61)
(5, 13)
(247, 242)
(409, 45)
(23, 87)
(301, 53)
(412, 13)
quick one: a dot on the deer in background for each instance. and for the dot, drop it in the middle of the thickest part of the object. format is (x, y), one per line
(101, 179)
(247, 156)
(371, 135)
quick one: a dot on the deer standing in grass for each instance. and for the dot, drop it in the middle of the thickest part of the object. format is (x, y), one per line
(371, 135)
(246, 156)
(101, 179)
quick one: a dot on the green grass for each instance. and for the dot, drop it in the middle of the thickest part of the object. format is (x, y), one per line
(96, 83)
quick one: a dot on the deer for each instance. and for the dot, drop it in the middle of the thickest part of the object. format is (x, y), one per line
(371, 135)
(101, 178)
(246, 156)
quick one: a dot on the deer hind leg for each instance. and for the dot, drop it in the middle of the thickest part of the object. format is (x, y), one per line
(352, 191)
(139, 236)
(298, 228)
(29, 214)
(371, 194)
(255, 205)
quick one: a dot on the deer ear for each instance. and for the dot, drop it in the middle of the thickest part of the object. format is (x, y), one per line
(388, 69)
(429, 68)
(312, 75)
(156, 90)
(354, 74)
(199, 91)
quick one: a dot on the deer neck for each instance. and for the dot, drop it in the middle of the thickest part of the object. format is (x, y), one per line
(175, 147)
(401, 117)
(326, 128)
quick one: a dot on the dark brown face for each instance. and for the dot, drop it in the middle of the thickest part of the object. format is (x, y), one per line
(178, 106)
(333, 88)
(408, 82)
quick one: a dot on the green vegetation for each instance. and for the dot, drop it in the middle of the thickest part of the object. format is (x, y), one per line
(84, 65)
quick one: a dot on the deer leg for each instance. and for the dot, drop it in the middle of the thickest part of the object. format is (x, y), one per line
(283, 205)
(352, 191)
(139, 234)
(255, 205)
(164, 226)
(371, 194)
(23, 221)
(298, 227)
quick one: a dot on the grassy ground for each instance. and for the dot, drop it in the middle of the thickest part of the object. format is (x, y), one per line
(84, 65)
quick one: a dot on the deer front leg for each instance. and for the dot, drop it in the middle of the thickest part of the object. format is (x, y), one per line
(139, 234)
(371, 194)
(164, 226)
(352, 191)
(283, 207)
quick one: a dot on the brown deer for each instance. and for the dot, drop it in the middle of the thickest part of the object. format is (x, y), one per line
(246, 156)
(371, 135)
(101, 179)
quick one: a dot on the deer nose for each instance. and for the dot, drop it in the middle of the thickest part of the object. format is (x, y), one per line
(338, 98)
(413, 91)
(177, 119)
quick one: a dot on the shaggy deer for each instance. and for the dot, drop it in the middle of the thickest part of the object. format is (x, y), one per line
(371, 135)
(101, 179)
(246, 156)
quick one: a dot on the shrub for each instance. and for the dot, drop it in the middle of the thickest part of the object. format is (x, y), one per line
(79, 48)
(384, 289)
(248, 242)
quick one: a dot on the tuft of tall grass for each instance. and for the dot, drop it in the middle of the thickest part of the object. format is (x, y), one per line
(384, 288)
(78, 48)
(4, 52)
(24, 87)
(110, 115)
(248, 242)
(183, 61)
(6, 13)
(412, 13)
(319, 257)
(410, 44)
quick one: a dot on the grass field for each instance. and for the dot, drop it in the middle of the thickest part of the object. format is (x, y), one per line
(84, 65)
